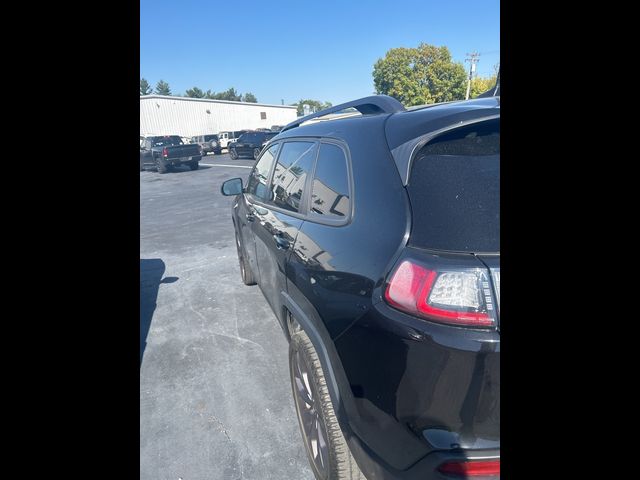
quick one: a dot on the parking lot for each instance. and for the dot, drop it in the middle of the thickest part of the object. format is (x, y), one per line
(215, 395)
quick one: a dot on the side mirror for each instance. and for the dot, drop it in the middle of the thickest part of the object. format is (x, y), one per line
(231, 187)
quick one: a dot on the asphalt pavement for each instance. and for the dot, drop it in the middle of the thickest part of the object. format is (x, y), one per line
(215, 395)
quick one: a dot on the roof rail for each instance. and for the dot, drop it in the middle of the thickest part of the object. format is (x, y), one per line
(366, 106)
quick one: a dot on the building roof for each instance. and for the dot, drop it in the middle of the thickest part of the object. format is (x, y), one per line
(207, 100)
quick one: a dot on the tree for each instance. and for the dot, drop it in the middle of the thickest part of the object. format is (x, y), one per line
(162, 88)
(416, 76)
(315, 105)
(230, 94)
(480, 85)
(145, 88)
(195, 92)
(249, 97)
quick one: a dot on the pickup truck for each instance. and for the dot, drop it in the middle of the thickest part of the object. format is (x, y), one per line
(167, 151)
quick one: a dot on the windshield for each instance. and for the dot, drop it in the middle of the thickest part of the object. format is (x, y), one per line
(165, 141)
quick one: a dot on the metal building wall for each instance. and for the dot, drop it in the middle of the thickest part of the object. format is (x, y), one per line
(189, 117)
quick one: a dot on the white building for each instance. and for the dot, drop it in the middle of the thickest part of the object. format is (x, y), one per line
(188, 117)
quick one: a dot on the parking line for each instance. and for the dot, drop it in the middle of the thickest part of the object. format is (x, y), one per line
(221, 165)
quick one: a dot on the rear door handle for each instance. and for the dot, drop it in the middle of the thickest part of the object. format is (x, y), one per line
(281, 242)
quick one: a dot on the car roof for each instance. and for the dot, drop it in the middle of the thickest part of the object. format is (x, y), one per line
(404, 129)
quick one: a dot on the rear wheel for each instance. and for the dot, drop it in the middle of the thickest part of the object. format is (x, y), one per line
(256, 153)
(162, 165)
(326, 447)
(245, 268)
(233, 154)
(194, 165)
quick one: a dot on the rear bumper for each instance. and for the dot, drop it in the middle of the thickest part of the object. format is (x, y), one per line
(424, 469)
(181, 160)
(420, 392)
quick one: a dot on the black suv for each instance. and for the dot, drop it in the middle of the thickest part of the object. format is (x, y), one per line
(375, 238)
(250, 144)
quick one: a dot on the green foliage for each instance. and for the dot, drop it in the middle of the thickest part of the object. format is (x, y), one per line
(417, 76)
(230, 94)
(145, 88)
(162, 88)
(195, 92)
(480, 85)
(315, 105)
(249, 97)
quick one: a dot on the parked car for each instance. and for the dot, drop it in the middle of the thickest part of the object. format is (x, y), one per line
(229, 137)
(250, 144)
(167, 151)
(375, 239)
(208, 143)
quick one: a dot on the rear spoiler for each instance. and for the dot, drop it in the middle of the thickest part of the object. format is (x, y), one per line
(493, 92)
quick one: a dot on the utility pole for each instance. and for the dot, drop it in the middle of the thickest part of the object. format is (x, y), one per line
(473, 59)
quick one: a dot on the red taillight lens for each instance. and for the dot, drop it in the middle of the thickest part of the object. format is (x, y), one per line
(471, 468)
(456, 297)
(165, 152)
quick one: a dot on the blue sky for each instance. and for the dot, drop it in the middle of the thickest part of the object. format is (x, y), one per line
(288, 50)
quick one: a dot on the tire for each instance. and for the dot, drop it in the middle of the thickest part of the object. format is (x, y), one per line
(256, 153)
(162, 166)
(194, 165)
(233, 154)
(245, 268)
(337, 463)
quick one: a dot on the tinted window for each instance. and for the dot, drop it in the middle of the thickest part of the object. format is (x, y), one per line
(258, 179)
(330, 191)
(208, 138)
(255, 138)
(164, 141)
(289, 177)
(454, 190)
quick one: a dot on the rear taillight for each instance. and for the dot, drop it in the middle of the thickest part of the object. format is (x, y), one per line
(458, 297)
(165, 152)
(471, 468)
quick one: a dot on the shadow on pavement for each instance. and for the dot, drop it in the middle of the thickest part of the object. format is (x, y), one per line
(151, 272)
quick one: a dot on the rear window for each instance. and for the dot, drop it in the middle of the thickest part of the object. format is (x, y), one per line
(454, 189)
(208, 138)
(165, 141)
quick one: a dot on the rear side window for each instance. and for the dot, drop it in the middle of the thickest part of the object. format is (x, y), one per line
(454, 189)
(290, 175)
(258, 179)
(330, 188)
